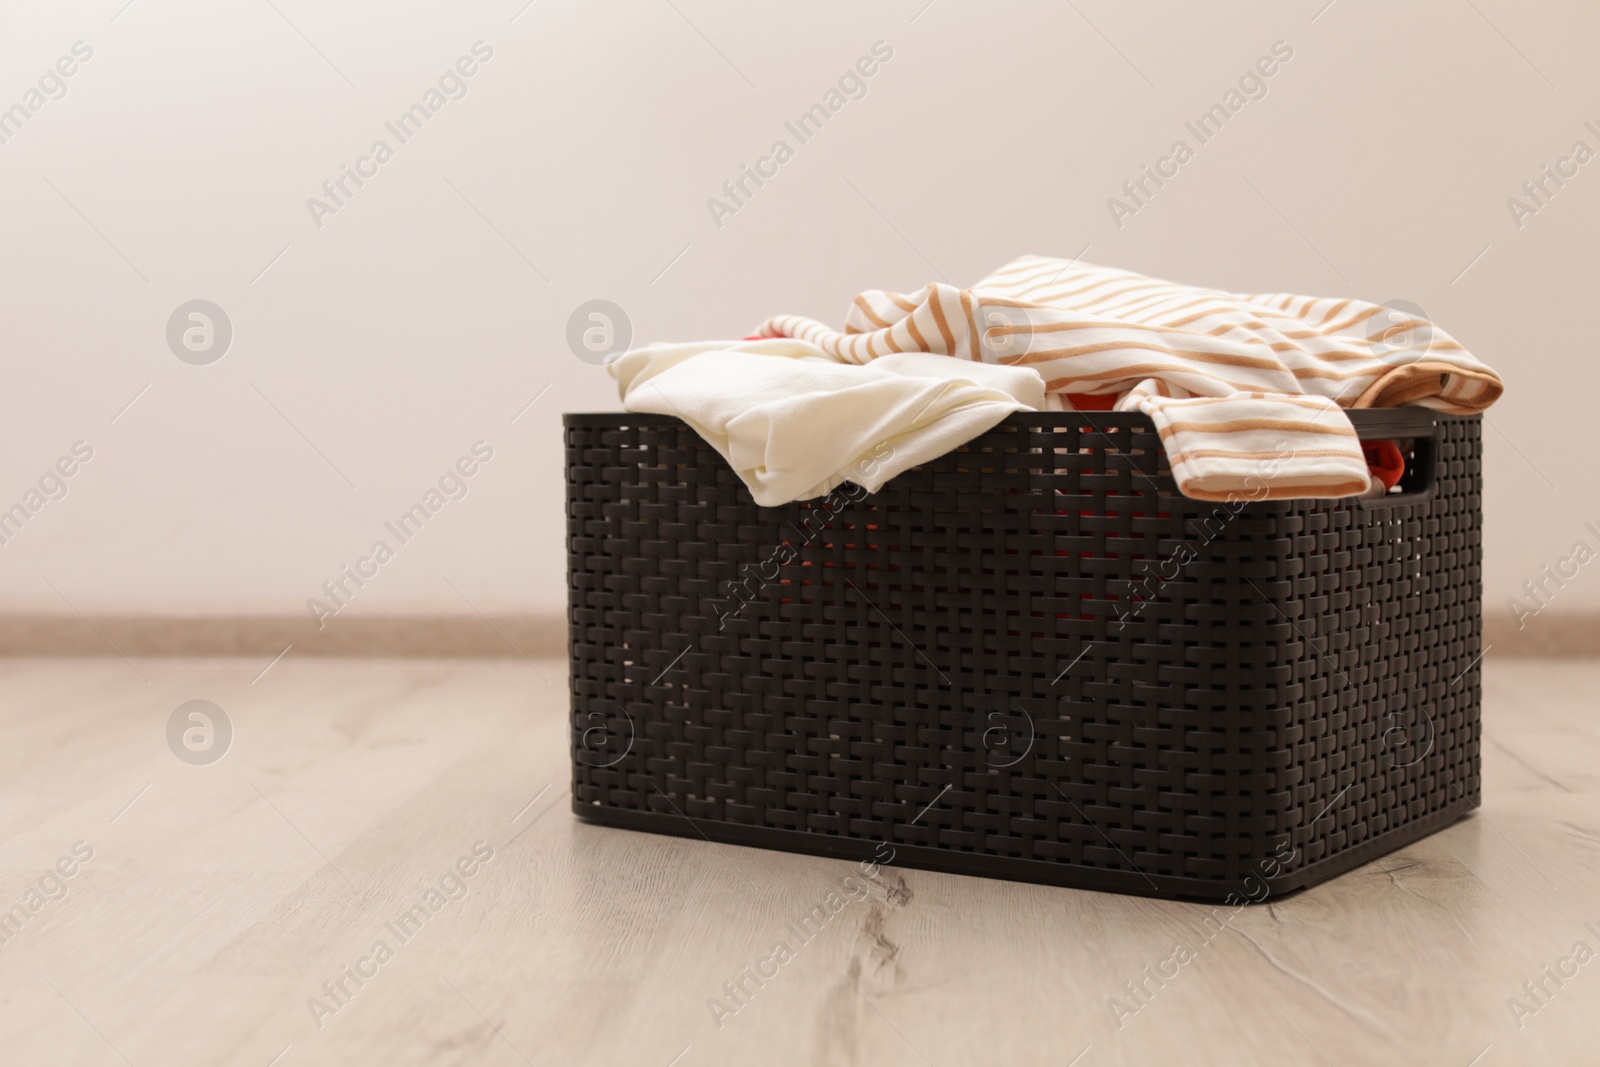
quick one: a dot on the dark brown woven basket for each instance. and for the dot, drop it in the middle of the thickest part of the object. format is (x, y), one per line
(1031, 658)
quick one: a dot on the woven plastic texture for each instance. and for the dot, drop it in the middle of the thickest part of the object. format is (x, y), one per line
(1031, 658)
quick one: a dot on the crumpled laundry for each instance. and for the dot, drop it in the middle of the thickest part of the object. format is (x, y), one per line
(1246, 391)
(794, 422)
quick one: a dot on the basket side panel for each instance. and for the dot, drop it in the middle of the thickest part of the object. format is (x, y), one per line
(1021, 650)
(1380, 626)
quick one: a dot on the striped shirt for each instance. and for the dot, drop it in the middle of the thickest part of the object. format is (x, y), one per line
(1246, 391)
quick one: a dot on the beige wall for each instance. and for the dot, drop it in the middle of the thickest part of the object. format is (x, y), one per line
(433, 305)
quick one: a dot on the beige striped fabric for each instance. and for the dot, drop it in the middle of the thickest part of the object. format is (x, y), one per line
(1246, 391)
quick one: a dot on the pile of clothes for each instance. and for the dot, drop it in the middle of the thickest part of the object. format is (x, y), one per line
(1245, 391)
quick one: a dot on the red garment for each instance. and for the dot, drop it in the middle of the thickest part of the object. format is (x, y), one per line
(1092, 402)
(1384, 462)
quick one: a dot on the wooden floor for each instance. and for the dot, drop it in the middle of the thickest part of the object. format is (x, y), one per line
(220, 898)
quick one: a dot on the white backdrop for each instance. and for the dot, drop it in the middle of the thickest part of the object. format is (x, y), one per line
(373, 345)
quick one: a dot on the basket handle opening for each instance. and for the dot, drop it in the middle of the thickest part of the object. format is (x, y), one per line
(1416, 432)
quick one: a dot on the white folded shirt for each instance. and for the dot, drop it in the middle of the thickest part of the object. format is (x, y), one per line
(794, 422)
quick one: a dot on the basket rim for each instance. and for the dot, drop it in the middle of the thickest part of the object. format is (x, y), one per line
(1369, 422)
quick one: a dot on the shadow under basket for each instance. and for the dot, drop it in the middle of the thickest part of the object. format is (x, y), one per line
(1031, 658)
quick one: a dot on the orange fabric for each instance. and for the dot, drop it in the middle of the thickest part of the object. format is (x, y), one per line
(1384, 462)
(1093, 402)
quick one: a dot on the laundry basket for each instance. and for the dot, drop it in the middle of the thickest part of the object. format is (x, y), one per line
(1031, 658)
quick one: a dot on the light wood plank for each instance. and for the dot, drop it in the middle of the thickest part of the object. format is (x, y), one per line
(1563, 633)
(222, 898)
